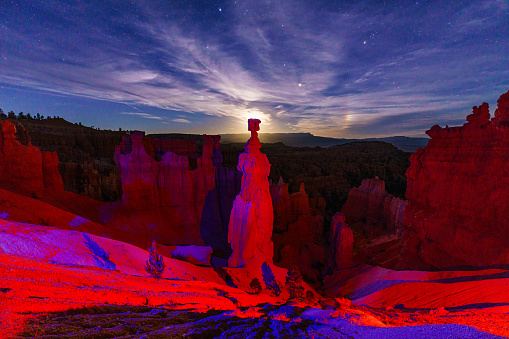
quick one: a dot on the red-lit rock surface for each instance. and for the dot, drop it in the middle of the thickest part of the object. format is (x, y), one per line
(298, 233)
(370, 203)
(85, 154)
(165, 197)
(341, 244)
(25, 169)
(155, 147)
(458, 188)
(251, 219)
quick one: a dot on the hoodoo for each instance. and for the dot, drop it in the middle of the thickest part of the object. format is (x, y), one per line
(25, 169)
(251, 219)
(458, 188)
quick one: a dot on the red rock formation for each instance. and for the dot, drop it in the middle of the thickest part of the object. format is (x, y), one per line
(85, 154)
(298, 233)
(293, 212)
(457, 191)
(340, 253)
(251, 219)
(155, 147)
(370, 203)
(25, 169)
(166, 196)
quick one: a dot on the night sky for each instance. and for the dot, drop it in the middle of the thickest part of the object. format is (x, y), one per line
(337, 69)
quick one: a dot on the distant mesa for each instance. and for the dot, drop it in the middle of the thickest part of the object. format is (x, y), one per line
(405, 144)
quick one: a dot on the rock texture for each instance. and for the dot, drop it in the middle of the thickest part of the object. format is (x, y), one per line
(218, 205)
(340, 253)
(251, 219)
(165, 196)
(458, 188)
(25, 169)
(370, 203)
(85, 154)
(297, 232)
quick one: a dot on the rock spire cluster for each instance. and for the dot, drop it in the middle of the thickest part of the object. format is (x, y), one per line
(457, 192)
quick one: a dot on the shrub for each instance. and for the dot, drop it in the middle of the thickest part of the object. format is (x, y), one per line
(155, 263)
(255, 287)
(294, 283)
(270, 281)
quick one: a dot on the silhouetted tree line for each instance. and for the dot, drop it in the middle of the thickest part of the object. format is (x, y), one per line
(21, 115)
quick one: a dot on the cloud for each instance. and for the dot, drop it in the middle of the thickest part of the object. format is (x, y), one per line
(143, 115)
(249, 60)
(183, 121)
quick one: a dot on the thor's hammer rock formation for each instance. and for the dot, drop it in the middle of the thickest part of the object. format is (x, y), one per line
(251, 219)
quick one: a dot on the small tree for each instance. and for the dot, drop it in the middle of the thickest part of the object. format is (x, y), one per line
(2, 114)
(294, 283)
(11, 115)
(255, 287)
(270, 281)
(155, 263)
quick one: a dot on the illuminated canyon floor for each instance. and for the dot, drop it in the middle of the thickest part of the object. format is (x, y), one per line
(44, 293)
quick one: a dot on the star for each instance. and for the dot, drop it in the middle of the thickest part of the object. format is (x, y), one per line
(365, 42)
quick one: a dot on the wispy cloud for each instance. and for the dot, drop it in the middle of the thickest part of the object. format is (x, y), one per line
(183, 121)
(143, 115)
(337, 71)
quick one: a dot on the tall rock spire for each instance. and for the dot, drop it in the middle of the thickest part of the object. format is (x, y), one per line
(251, 219)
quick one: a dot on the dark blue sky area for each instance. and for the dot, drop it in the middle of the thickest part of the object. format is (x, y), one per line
(339, 69)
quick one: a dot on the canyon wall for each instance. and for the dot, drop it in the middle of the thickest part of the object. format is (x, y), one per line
(24, 168)
(457, 192)
(85, 154)
(371, 204)
(165, 196)
(297, 233)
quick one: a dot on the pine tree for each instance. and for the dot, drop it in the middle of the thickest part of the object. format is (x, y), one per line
(255, 287)
(155, 263)
(270, 281)
(294, 283)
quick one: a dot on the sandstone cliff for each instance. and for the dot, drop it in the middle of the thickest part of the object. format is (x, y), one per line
(371, 204)
(457, 191)
(25, 169)
(165, 197)
(340, 254)
(297, 231)
(85, 154)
